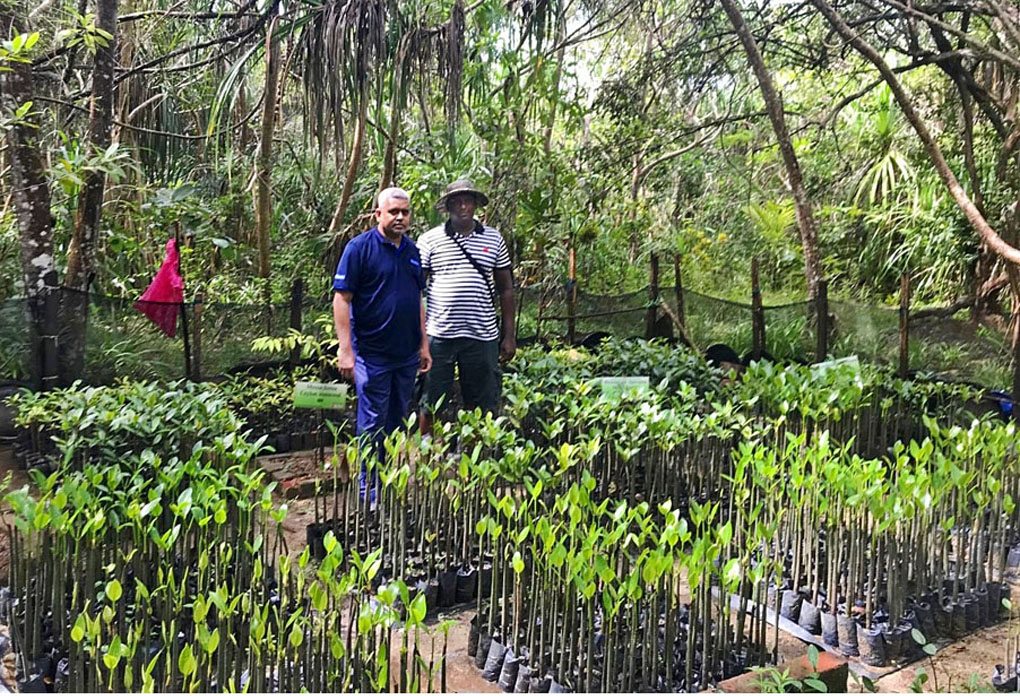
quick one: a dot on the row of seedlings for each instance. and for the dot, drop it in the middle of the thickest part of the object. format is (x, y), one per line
(145, 570)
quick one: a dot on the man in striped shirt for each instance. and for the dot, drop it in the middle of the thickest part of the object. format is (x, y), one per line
(467, 267)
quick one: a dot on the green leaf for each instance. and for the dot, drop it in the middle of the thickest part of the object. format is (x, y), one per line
(297, 636)
(816, 684)
(418, 608)
(114, 590)
(812, 656)
(929, 649)
(78, 631)
(918, 636)
(186, 661)
(213, 642)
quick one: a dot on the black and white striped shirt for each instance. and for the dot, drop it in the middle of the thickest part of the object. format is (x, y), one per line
(459, 303)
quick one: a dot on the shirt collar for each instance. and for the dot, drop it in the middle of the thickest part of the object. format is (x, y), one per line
(381, 238)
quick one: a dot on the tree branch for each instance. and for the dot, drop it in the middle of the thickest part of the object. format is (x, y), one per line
(977, 220)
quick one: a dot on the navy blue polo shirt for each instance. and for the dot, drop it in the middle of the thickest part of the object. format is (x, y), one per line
(386, 282)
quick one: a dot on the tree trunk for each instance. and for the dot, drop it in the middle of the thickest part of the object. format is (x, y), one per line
(74, 307)
(774, 107)
(31, 200)
(352, 175)
(264, 161)
(90, 200)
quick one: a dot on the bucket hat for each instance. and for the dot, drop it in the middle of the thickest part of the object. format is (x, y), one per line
(461, 186)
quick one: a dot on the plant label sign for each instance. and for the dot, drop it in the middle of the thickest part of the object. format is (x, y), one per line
(320, 395)
(617, 386)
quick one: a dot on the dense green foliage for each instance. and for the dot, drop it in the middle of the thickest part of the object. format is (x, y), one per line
(567, 113)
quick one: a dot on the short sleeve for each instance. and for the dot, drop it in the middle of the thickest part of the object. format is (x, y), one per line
(502, 254)
(419, 274)
(348, 271)
(425, 251)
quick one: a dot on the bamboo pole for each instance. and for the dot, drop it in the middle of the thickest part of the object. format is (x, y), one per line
(296, 295)
(822, 320)
(196, 339)
(571, 294)
(757, 314)
(904, 325)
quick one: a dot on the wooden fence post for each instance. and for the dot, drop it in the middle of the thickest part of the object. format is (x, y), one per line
(757, 314)
(571, 293)
(653, 295)
(50, 329)
(822, 320)
(1016, 364)
(297, 293)
(904, 325)
(184, 306)
(681, 309)
(196, 339)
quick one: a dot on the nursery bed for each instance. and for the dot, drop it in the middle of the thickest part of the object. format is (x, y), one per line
(956, 661)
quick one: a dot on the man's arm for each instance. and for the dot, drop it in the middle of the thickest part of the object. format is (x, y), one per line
(504, 280)
(342, 322)
(424, 352)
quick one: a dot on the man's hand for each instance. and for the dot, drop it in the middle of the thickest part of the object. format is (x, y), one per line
(507, 348)
(426, 359)
(345, 363)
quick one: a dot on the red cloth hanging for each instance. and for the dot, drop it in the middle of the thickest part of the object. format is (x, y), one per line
(165, 293)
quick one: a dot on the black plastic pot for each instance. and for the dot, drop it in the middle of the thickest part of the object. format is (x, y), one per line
(925, 620)
(432, 592)
(485, 580)
(472, 648)
(482, 653)
(971, 611)
(810, 618)
(982, 605)
(448, 588)
(896, 638)
(467, 584)
(943, 614)
(959, 622)
(994, 601)
(846, 630)
(494, 661)
(538, 685)
(1004, 593)
(556, 688)
(523, 678)
(789, 607)
(282, 441)
(830, 634)
(508, 673)
(1001, 683)
(871, 646)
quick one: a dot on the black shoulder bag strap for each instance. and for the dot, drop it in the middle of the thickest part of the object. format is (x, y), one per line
(477, 266)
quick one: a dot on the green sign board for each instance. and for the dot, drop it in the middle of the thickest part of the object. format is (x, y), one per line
(320, 395)
(617, 386)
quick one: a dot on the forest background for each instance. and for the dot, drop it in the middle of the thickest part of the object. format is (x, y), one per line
(850, 142)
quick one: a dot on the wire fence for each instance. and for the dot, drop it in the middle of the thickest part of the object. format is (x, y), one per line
(952, 347)
(122, 342)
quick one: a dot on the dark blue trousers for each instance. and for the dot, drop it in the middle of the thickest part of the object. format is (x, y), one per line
(384, 389)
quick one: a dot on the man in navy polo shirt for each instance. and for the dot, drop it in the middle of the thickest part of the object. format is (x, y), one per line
(380, 319)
